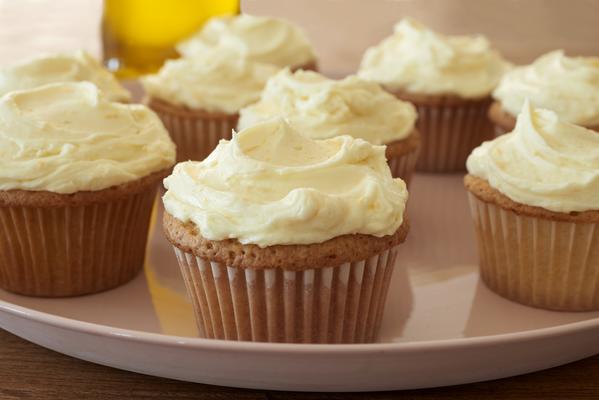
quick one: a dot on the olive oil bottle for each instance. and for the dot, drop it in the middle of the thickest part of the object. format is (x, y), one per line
(139, 35)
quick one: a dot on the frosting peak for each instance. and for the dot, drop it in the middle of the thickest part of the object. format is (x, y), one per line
(324, 108)
(544, 162)
(65, 137)
(418, 60)
(567, 85)
(271, 185)
(63, 67)
(263, 39)
(214, 79)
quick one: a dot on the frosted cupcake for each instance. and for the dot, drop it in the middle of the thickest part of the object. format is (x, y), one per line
(567, 85)
(282, 238)
(198, 99)
(61, 67)
(78, 179)
(323, 108)
(258, 38)
(448, 78)
(534, 195)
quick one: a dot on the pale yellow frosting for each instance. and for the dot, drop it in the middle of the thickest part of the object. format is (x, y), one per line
(63, 67)
(323, 108)
(214, 80)
(544, 162)
(271, 185)
(66, 137)
(263, 39)
(417, 60)
(567, 85)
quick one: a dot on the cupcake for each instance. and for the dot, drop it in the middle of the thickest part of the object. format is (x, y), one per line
(448, 78)
(282, 238)
(78, 180)
(534, 195)
(61, 67)
(198, 99)
(567, 85)
(323, 108)
(261, 39)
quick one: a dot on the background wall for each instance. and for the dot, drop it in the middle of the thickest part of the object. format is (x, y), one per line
(340, 29)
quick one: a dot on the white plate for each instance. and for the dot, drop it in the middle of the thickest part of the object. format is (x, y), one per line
(441, 325)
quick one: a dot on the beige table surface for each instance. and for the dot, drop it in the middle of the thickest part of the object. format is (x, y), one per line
(341, 30)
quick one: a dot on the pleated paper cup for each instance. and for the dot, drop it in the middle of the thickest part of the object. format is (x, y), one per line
(342, 304)
(402, 156)
(450, 127)
(57, 245)
(329, 292)
(536, 261)
(195, 132)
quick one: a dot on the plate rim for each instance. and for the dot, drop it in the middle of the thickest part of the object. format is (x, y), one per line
(294, 348)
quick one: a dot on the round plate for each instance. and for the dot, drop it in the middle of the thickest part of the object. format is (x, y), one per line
(441, 325)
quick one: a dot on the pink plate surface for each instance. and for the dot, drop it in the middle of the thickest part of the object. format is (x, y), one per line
(442, 326)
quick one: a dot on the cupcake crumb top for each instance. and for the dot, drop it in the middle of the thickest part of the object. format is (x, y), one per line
(258, 38)
(77, 66)
(325, 108)
(271, 185)
(213, 80)
(567, 85)
(417, 60)
(67, 137)
(543, 162)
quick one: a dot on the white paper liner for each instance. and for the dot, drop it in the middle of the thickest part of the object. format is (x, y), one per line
(341, 304)
(449, 133)
(74, 250)
(403, 166)
(196, 137)
(535, 261)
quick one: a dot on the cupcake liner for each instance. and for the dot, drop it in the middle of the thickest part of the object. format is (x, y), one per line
(450, 133)
(195, 134)
(403, 166)
(536, 261)
(342, 304)
(450, 129)
(73, 250)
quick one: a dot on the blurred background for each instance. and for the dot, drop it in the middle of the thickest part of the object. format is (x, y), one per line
(340, 29)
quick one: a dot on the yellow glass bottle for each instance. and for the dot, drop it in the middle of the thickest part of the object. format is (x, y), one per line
(139, 35)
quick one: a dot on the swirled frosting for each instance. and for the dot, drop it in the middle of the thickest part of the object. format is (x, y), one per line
(64, 67)
(263, 39)
(271, 185)
(323, 108)
(417, 60)
(213, 80)
(567, 85)
(544, 162)
(66, 137)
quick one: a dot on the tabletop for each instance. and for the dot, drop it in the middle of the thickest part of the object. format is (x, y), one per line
(28, 371)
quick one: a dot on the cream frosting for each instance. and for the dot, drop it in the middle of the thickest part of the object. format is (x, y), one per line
(323, 108)
(63, 67)
(567, 85)
(66, 137)
(271, 185)
(214, 80)
(417, 60)
(544, 162)
(263, 39)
